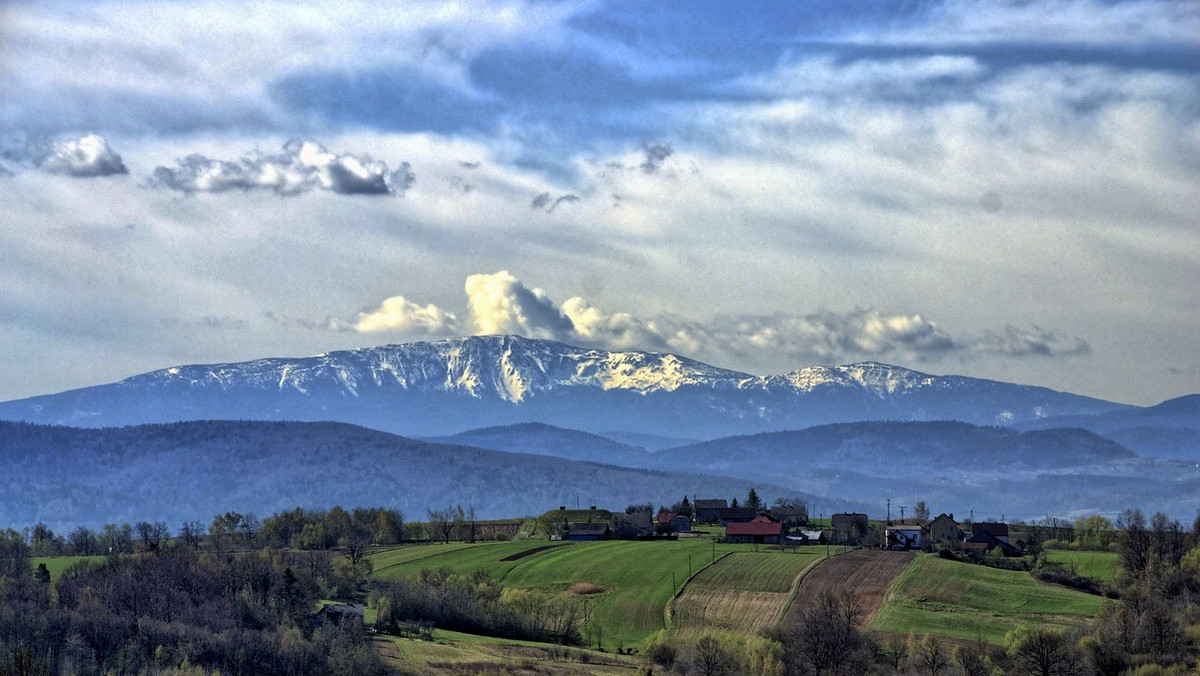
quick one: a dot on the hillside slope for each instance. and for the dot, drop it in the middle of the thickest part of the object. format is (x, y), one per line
(173, 472)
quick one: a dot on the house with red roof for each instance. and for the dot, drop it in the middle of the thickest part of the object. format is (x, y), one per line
(761, 529)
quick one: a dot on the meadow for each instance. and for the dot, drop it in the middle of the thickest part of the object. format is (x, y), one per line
(742, 593)
(1101, 566)
(967, 601)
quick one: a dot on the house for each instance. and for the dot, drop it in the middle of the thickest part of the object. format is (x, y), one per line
(790, 516)
(590, 531)
(984, 542)
(944, 529)
(849, 527)
(338, 614)
(737, 515)
(905, 537)
(678, 522)
(708, 511)
(759, 530)
(808, 537)
(633, 525)
(995, 529)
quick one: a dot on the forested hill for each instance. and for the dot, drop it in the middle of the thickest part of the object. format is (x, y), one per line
(914, 445)
(193, 470)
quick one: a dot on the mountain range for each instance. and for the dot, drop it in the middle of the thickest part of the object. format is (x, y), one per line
(443, 387)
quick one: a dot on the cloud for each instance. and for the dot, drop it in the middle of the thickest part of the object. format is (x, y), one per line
(548, 204)
(1016, 342)
(301, 167)
(85, 157)
(499, 303)
(656, 152)
(400, 314)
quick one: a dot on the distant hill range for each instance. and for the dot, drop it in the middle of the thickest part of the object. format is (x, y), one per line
(443, 387)
(1169, 430)
(194, 470)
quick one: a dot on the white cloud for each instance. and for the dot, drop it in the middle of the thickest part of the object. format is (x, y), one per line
(499, 303)
(302, 166)
(86, 156)
(402, 315)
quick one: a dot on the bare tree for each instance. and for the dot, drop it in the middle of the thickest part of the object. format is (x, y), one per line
(442, 522)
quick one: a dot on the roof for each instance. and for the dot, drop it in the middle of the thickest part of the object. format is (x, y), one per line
(761, 525)
(711, 504)
(342, 609)
(812, 534)
(990, 527)
(596, 528)
(739, 513)
(665, 517)
(939, 517)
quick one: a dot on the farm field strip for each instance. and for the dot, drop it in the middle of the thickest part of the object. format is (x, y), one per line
(742, 593)
(967, 601)
(386, 558)
(462, 558)
(868, 573)
(57, 565)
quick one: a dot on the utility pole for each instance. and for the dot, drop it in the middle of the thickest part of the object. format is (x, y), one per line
(901, 513)
(889, 504)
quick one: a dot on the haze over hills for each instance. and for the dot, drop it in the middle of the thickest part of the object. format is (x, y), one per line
(542, 439)
(442, 387)
(70, 476)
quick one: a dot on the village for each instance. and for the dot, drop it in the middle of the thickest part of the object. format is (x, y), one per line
(784, 525)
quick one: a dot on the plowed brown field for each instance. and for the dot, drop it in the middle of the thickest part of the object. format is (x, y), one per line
(866, 572)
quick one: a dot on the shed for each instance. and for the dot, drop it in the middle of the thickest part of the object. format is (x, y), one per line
(589, 531)
(709, 511)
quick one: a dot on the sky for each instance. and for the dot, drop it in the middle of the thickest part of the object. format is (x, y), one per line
(1005, 190)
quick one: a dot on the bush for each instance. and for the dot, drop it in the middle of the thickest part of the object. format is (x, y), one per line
(661, 650)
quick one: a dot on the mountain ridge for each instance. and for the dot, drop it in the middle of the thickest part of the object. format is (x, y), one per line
(440, 387)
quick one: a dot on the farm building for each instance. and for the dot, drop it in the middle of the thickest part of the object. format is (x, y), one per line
(944, 529)
(709, 511)
(737, 515)
(633, 525)
(984, 543)
(678, 522)
(337, 614)
(759, 530)
(589, 531)
(905, 537)
(808, 537)
(790, 516)
(995, 529)
(849, 527)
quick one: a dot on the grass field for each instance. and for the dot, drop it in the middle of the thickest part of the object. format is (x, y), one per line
(454, 654)
(962, 600)
(638, 578)
(1102, 566)
(58, 564)
(742, 593)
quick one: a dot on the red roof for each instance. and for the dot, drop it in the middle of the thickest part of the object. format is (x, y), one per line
(761, 525)
(665, 517)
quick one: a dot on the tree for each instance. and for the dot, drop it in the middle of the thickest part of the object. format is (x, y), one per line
(712, 658)
(441, 521)
(921, 511)
(931, 655)
(83, 541)
(1041, 652)
(190, 533)
(752, 500)
(734, 503)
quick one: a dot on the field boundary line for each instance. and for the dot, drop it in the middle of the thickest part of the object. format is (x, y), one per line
(669, 607)
(795, 590)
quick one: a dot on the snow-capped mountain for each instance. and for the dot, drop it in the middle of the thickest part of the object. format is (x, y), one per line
(442, 387)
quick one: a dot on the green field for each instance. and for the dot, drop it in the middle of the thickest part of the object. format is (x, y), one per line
(1102, 566)
(757, 571)
(742, 593)
(58, 564)
(966, 601)
(636, 577)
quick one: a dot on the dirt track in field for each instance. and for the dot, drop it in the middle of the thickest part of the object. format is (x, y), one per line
(866, 572)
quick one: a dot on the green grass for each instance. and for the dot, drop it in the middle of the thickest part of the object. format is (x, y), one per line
(461, 558)
(757, 572)
(636, 576)
(59, 564)
(1102, 566)
(962, 600)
